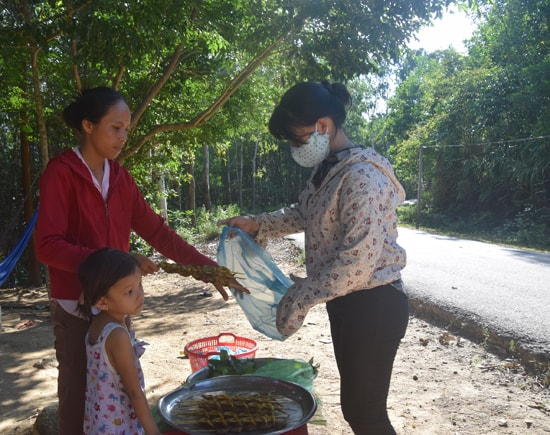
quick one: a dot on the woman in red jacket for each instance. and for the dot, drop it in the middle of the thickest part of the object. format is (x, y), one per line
(87, 202)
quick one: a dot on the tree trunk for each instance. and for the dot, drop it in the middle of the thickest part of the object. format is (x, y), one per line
(240, 175)
(33, 264)
(254, 176)
(179, 193)
(228, 184)
(163, 205)
(39, 109)
(191, 194)
(206, 175)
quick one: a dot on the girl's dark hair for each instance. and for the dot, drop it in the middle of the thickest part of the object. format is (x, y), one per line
(92, 104)
(305, 103)
(100, 271)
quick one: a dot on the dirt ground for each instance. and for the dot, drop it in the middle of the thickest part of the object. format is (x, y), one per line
(442, 384)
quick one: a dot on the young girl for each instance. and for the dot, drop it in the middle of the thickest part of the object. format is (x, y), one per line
(115, 400)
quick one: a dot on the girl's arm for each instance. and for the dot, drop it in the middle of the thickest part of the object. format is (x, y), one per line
(121, 355)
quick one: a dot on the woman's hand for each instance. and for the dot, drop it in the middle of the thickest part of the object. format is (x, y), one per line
(293, 308)
(245, 223)
(219, 276)
(220, 282)
(146, 265)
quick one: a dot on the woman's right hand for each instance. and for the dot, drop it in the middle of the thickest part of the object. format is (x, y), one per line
(220, 282)
(245, 223)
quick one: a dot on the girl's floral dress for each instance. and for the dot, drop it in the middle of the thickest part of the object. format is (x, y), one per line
(108, 410)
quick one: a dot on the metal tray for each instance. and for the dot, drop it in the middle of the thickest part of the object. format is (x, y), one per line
(298, 403)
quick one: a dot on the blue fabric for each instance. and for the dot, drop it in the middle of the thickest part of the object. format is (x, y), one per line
(11, 260)
(257, 271)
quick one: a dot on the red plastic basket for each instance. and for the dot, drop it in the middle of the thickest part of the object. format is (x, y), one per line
(199, 351)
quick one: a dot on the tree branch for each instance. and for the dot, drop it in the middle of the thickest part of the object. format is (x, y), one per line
(204, 116)
(156, 87)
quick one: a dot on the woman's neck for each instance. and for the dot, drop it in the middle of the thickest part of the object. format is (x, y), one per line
(94, 161)
(341, 142)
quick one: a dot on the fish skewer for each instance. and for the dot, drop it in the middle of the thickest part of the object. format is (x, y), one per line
(202, 273)
(223, 414)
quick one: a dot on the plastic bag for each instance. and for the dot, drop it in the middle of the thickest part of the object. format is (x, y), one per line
(266, 282)
(293, 370)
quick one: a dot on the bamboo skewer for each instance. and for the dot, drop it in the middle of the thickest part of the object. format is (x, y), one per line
(224, 414)
(202, 273)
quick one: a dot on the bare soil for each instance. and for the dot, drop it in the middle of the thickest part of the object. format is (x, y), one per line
(442, 384)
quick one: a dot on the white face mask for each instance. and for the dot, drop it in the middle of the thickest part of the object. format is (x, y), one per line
(313, 151)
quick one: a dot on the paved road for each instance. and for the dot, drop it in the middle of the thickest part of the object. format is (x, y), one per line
(494, 293)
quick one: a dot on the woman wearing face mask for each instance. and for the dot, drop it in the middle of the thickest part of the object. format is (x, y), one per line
(348, 214)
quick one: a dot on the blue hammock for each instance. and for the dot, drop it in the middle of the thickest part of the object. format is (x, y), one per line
(11, 260)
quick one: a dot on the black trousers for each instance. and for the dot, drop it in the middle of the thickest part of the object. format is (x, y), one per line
(367, 327)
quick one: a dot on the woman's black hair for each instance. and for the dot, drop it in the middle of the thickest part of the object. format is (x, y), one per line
(92, 104)
(100, 271)
(306, 102)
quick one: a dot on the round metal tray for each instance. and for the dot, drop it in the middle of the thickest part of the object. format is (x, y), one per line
(298, 403)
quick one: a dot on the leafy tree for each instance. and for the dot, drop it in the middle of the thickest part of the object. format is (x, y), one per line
(483, 120)
(192, 60)
(179, 63)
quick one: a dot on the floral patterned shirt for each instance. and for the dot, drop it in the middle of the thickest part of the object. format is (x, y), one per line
(108, 409)
(350, 229)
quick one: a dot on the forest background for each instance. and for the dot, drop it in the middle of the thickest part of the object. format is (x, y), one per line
(468, 134)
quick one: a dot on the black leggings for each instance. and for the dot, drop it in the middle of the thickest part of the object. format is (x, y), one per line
(367, 327)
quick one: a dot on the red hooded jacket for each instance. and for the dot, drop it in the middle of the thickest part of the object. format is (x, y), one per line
(74, 220)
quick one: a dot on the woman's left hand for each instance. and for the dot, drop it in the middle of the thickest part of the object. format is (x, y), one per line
(291, 311)
(146, 265)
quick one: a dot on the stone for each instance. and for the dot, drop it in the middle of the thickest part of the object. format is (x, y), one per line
(46, 422)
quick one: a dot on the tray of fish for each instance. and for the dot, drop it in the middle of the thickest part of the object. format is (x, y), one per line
(254, 405)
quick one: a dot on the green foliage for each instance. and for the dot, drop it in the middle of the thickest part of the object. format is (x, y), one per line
(206, 227)
(231, 365)
(482, 121)
(206, 72)
(407, 214)
(529, 228)
(210, 73)
(526, 230)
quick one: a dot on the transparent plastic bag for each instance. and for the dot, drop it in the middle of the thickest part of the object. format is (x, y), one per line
(267, 283)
